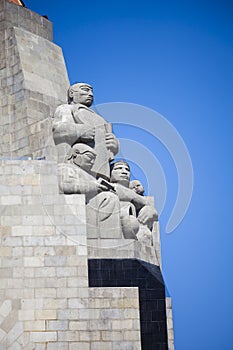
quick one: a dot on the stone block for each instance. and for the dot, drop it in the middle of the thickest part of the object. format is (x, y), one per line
(26, 315)
(112, 335)
(45, 314)
(77, 261)
(55, 261)
(58, 283)
(33, 261)
(12, 241)
(68, 293)
(69, 336)
(92, 314)
(77, 303)
(132, 335)
(79, 346)
(60, 325)
(111, 314)
(66, 271)
(33, 241)
(6, 251)
(90, 336)
(122, 324)
(68, 314)
(132, 313)
(34, 326)
(99, 303)
(52, 303)
(78, 325)
(31, 304)
(45, 272)
(100, 325)
(9, 200)
(101, 346)
(46, 292)
(58, 346)
(42, 337)
(41, 346)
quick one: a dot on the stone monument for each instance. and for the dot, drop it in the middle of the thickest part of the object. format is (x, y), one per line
(80, 251)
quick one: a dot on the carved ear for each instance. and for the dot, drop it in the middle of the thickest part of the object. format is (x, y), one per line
(70, 94)
(78, 158)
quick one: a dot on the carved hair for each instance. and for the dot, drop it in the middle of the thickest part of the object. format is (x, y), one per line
(79, 148)
(112, 165)
(72, 88)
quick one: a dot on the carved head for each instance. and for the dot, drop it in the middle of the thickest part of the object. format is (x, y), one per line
(137, 187)
(80, 93)
(120, 173)
(83, 156)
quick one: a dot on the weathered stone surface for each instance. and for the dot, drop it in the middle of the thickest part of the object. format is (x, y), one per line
(44, 273)
(33, 82)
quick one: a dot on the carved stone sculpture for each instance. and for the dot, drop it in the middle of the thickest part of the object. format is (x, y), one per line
(103, 206)
(85, 143)
(137, 215)
(75, 122)
(137, 186)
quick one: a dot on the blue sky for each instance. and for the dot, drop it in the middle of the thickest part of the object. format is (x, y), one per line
(175, 57)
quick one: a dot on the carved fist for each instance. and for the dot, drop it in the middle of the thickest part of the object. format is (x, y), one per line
(101, 186)
(147, 215)
(111, 142)
(88, 134)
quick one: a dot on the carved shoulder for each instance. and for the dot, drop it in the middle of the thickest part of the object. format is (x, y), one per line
(63, 113)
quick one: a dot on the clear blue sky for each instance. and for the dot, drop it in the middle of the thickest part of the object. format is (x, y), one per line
(175, 57)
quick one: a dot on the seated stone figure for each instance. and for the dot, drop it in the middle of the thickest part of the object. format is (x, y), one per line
(103, 207)
(75, 122)
(137, 215)
(113, 210)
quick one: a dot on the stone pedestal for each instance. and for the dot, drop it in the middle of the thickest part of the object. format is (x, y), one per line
(45, 297)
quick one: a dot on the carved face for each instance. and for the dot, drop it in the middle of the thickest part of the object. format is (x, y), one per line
(81, 93)
(136, 186)
(120, 174)
(84, 160)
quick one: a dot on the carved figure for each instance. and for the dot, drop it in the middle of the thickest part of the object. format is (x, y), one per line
(112, 207)
(137, 186)
(137, 220)
(75, 122)
(103, 206)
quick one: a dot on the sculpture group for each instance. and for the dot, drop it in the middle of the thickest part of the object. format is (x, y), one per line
(86, 148)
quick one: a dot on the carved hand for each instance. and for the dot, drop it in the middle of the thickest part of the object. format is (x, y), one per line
(88, 134)
(100, 186)
(111, 142)
(147, 215)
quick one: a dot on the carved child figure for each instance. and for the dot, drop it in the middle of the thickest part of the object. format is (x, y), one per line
(137, 187)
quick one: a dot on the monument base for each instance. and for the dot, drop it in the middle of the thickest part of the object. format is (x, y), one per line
(54, 295)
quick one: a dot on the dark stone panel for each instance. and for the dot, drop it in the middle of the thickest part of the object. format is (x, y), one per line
(148, 278)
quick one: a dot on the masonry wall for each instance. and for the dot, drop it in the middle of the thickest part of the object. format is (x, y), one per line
(46, 302)
(33, 82)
